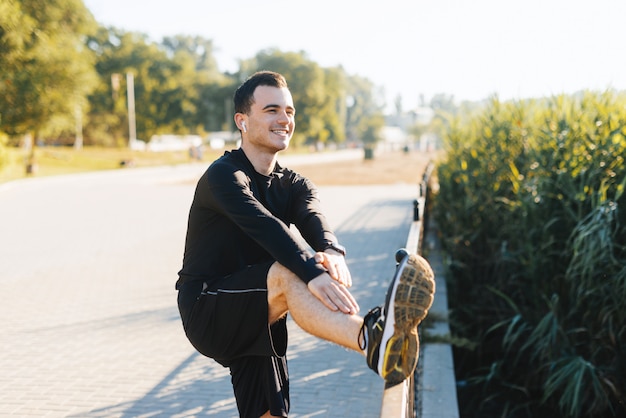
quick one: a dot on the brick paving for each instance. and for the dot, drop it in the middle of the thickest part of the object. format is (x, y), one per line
(90, 326)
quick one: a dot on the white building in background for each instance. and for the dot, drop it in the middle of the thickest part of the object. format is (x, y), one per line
(396, 133)
(160, 143)
(394, 138)
(173, 142)
(223, 139)
(419, 116)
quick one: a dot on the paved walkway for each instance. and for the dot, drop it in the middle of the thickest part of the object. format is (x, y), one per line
(90, 326)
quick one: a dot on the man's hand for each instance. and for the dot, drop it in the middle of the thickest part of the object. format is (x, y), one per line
(336, 266)
(333, 295)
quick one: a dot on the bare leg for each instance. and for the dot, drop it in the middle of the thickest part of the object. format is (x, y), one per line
(287, 293)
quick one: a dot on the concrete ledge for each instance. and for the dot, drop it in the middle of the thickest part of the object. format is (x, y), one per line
(437, 381)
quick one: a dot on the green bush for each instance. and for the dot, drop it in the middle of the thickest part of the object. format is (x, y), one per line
(533, 216)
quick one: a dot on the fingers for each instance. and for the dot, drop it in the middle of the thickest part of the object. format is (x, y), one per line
(341, 299)
(334, 296)
(344, 275)
(336, 267)
(352, 307)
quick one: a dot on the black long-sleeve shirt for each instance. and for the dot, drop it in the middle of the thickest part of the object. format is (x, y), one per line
(239, 217)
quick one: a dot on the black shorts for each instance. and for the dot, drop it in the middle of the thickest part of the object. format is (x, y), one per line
(226, 319)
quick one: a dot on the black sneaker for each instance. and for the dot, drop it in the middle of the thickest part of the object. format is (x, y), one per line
(392, 339)
(373, 325)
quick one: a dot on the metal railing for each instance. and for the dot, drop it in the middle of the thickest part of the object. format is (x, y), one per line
(399, 400)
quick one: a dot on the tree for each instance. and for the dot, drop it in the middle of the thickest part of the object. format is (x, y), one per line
(193, 46)
(51, 71)
(365, 115)
(48, 72)
(209, 91)
(178, 88)
(397, 103)
(14, 29)
(334, 112)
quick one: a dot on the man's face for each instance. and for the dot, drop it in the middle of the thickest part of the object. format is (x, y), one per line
(270, 123)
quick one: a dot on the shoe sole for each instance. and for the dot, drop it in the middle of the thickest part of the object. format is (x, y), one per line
(410, 297)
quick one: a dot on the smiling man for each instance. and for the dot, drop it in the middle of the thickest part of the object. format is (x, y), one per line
(244, 270)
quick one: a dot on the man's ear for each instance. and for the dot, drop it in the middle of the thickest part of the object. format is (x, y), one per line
(240, 121)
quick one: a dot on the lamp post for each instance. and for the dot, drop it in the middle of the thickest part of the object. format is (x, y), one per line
(130, 97)
(78, 112)
(350, 102)
(132, 128)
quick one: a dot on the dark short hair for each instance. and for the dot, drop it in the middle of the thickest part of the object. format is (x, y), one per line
(244, 95)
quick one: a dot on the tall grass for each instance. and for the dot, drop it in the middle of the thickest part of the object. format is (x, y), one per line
(533, 214)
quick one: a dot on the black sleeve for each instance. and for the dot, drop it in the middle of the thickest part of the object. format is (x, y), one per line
(230, 193)
(308, 216)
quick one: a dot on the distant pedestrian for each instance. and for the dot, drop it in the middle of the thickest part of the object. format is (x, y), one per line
(195, 152)
(244, 270)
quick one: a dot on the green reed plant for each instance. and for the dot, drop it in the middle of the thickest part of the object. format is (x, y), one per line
(533, 215)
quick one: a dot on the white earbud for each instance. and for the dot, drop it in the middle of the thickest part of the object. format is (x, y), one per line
(243, 126)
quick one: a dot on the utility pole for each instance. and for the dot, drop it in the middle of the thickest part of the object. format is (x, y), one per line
(78, 112)
(132, 128)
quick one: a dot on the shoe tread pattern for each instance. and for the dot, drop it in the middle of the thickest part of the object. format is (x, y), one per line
(414, 296)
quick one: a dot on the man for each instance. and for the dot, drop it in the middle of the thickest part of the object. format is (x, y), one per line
(243, 269)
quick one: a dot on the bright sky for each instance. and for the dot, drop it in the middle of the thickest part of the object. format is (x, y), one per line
(471, 49)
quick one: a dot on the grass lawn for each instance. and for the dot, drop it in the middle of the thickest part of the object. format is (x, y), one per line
(385, 168)
(66, 160)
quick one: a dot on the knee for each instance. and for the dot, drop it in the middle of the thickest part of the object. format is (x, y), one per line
(278, 277)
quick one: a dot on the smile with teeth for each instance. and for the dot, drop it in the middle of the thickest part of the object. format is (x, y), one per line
(280, 131)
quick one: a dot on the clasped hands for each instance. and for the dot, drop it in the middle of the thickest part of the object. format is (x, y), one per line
(336, 266)
(331, 288)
